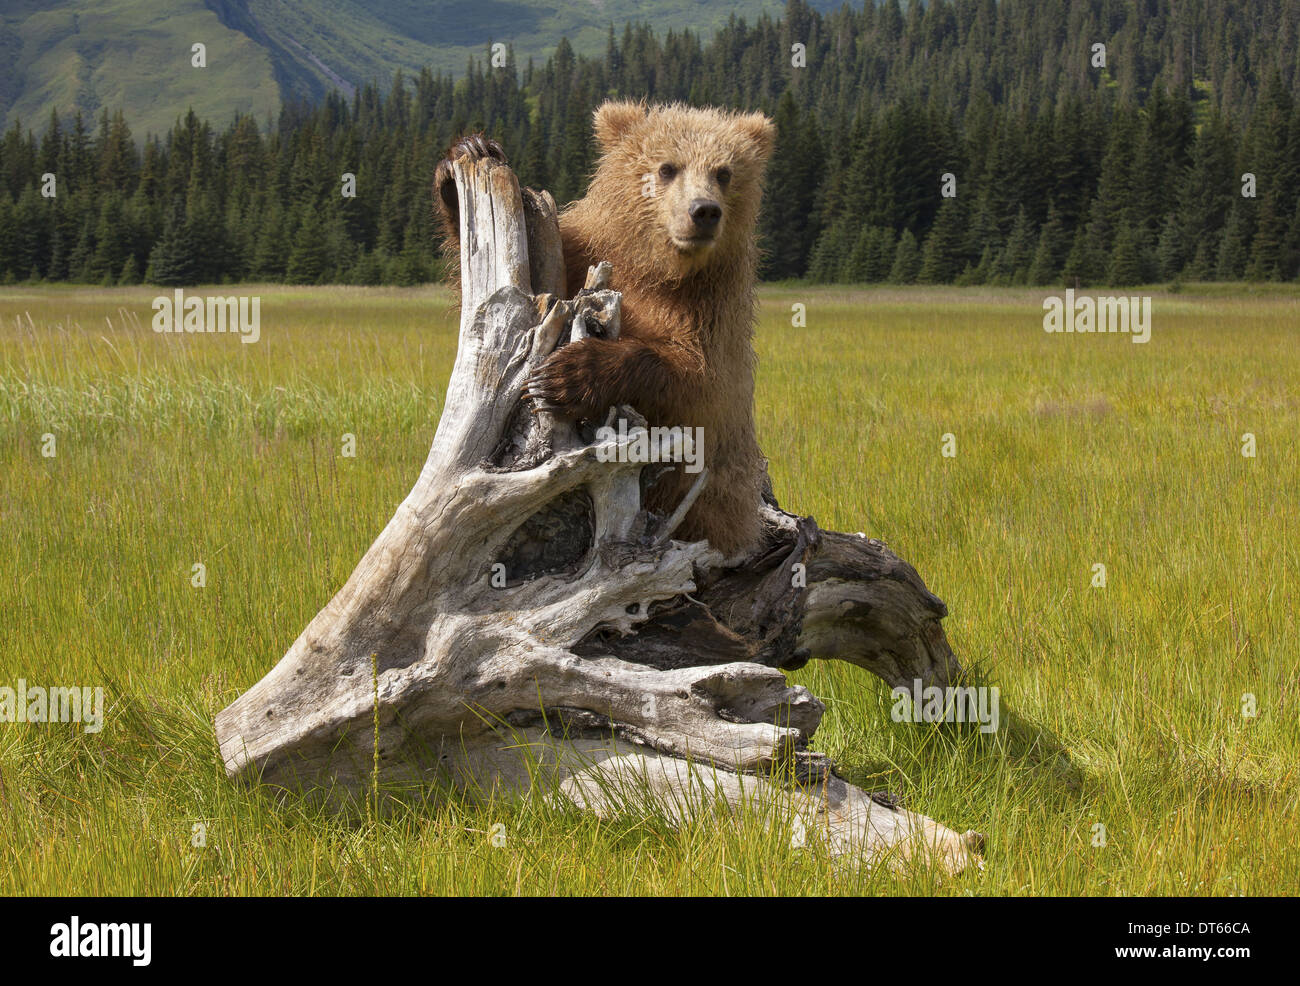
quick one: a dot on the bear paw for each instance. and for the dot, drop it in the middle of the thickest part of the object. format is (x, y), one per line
(476, 147)
(568, 382)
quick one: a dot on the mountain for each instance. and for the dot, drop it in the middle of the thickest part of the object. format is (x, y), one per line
(135, 55)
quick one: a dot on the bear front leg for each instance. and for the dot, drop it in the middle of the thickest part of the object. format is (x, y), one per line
(584, 379)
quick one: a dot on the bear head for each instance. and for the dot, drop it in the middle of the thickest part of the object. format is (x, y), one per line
(677, 188)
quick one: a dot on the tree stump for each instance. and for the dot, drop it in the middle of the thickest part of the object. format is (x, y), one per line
(523, 620)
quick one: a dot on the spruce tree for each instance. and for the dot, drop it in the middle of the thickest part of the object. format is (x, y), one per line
(1012, 266)
(1075, 271)
(270, 260)
(1234, 248)
(943, 247)
(1171, 250)
(130, 272)
(907, 260)
(787, 219)
(174, 259)
(880, 254)
(309, 259)
(8, 240)
(976, 274)
(112, 240)
(1125, 267)
(1049, 255)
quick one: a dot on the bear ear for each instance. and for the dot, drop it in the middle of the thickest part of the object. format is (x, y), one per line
(761, 131)
(614, 120)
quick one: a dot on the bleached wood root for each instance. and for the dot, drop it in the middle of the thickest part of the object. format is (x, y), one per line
(522, 590)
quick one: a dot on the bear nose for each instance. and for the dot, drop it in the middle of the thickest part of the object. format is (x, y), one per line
(706, 214)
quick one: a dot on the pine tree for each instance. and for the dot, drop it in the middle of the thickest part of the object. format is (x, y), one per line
(310, 261)
(1125, 266)
(1012, 266)
(270, 260)
(52, 145)
(943, 246)
(1112, 208)
(532, 169)
(787, 221)
(1275, 144)
(367, 270)
(130, 273)
(1205, 194)
(412, 265)
(1234, 250)
(174, 259)
(1049, 255)
(112, 241)
(854, 268)
(880, 254)
(831, 253)
(31, 233)
(1171, 250)
(1076, 268)
(978, 273)
(983, 232)
(8, 241)
(1270, 233)
(1289, 266)
(907, 260)
(81, 259)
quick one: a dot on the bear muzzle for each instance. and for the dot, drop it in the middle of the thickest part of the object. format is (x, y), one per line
(705, 215)
(702, 231)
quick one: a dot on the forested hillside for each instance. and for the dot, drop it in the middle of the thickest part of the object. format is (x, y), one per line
(1063, 169)
(86, 55)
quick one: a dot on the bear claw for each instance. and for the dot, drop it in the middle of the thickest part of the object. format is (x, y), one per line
(476, 147)
(550, 391)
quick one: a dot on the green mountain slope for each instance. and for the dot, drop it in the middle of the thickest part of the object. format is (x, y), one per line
(135, 54)
(132, 54)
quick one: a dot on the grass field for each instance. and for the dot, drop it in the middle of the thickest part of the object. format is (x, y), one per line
(1122, 706)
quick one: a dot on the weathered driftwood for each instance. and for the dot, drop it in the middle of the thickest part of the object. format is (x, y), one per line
(530, 622)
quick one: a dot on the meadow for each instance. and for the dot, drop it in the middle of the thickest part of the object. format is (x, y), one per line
(1163, 707)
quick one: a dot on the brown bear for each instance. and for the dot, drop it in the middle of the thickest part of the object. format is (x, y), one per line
(673, 206)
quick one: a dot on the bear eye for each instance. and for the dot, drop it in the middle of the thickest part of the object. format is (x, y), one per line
(667, 171)
(724, 176)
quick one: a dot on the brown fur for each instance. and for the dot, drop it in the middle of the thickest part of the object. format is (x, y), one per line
(685, 355)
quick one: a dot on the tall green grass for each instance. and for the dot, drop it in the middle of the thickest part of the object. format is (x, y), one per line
(1122, 706)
